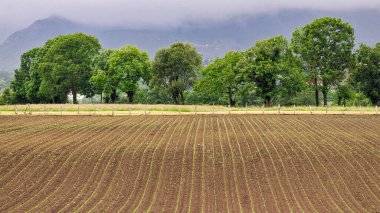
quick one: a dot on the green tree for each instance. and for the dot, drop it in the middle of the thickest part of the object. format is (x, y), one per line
(67, 66)
(324, 48)
(27, 79)
(344, 94)
(175, 70)
(102, 78)
(272, 68)
(129, 66)
(7, 96)
(366, 76)
(222, 76)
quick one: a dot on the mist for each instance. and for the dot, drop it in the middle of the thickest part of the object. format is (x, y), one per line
(156, 13)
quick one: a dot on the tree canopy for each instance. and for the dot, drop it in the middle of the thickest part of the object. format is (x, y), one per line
(129, 65)
(320, 59)
(26, 83)
(175, 69)
(67, 65)
(271, 66)
(324, 48)
(222, 77)
(366, 76)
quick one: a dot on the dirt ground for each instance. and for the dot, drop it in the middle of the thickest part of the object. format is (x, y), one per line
(192, 163)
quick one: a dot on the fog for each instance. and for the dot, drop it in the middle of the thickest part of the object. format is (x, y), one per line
(17, 14)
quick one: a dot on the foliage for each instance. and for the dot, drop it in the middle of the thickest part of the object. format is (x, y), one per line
(222, 77)
(7, 97)
(324, 48)
(366, 76)
(271, 67)
(128, 65)
(66, 66)
(102, 79)
(27, 81)
(175, 70)
(5, 79)
(344, 93)
(146, 95)
(270, 72)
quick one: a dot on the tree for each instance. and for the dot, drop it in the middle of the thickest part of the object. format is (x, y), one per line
(344, 93)
(324, 48)
(129, 66)
(222, 76)
(67, 65)
(366, 76)
(27, 79)
(175, 70)
(272, 68)
(101, 78)
(6, 96)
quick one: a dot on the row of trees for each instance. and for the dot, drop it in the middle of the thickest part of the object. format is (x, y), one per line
(319, 59)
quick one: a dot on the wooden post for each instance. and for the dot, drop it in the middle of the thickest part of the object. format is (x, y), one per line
(113, 113)
(16, 110)
(263, 108)
(129, 109)
(179, 110)
(30, 109)
(195, 109)
(246, 108)
(61, 110)
(326, 109)
(279, 109)
(229, 109)
(162, 110)
(310, 110)
(294, 108)
(377, 110)
(144, 111)
(344, 108)
(78, 109)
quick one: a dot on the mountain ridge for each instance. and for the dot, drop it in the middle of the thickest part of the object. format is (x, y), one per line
(211, 39)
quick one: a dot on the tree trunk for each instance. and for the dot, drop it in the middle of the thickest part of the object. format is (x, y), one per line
(75, 101)
(316, 97)
(130, 94)
(113, 96)
(340, 100)
(267, 101)
(231, 100)
(175, 97)
(182, 98)
(324, 92)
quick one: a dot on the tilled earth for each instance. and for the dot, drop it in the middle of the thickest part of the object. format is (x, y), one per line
(192, 163)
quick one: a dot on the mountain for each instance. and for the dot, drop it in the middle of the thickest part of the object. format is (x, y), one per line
(211, 39)
(33, 36)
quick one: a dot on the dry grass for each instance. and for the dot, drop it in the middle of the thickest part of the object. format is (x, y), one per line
(160, 109)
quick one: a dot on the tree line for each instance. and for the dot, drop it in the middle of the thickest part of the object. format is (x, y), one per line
(319, 62)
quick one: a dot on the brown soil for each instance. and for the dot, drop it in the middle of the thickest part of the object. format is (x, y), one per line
(193, 163)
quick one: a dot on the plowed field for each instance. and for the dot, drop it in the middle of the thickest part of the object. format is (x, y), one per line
(193, 163)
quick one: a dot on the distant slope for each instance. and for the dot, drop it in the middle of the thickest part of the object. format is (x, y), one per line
(33, 36)
(211, 39)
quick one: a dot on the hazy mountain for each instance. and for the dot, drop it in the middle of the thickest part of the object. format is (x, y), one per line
(211, 39)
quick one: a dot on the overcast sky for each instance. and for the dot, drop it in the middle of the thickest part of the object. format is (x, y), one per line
(17, 14)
